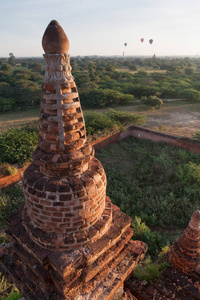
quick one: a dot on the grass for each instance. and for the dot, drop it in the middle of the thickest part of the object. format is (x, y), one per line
(149, 271)
(10, 200)
(154, 182)
(12, 292)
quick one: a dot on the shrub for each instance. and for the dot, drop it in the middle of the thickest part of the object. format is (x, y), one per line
(190, 94)
(147, 184)
(149, 271)
(14, 294)
(141, 73)
(6, 169)
(189, 71)
(6, 104)
(110, 120)
(132, 67)
(154, 239)
(17, 145)
(6, 67)
(153, 101)
(97, 122)
(125, 118)
(105, 97)
(10, 200)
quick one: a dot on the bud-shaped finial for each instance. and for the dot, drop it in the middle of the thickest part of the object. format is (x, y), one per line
(195, 220)
(54, 40)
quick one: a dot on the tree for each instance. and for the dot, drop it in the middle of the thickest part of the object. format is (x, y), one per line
(87, 87)
(132, 67)
(94, 77)
(153, 101)
(22, 74)
(6, 104)
(12, 61)
(73, 65)
(190, 94)
(37, 67)
(24, 64)
(27, 93)
(5, 90)
(6, 67)
(189, 71)
(105, 97)
(110, 68)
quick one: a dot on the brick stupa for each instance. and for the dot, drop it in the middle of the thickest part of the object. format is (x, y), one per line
(68, 241)
(180, 280)
(185, 252)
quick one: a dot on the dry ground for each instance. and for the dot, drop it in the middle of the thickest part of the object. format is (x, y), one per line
(176, 117)
(15, 119)
(143, 69)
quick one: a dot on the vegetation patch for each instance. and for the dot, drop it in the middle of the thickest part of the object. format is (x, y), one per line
(152, 101)
(17, 145)
(6, 169)
(112, 120)
(11, 199)
(150, 271)
(157, 183)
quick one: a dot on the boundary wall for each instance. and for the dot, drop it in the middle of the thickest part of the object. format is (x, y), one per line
(135, 131)
(155, 136)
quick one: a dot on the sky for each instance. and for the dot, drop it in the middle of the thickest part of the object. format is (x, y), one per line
(101, 27)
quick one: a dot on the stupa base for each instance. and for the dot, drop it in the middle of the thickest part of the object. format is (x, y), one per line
(95, 271)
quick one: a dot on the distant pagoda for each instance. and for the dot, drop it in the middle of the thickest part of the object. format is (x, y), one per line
(68, 241)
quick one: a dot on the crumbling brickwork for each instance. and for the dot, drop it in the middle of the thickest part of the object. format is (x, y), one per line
(69, 241)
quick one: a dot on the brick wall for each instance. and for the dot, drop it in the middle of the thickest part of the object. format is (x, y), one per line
(143, 133)
(185, 143)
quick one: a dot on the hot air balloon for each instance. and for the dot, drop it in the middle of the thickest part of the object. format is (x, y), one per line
(150, 41)
(125, 44)
(142, 40)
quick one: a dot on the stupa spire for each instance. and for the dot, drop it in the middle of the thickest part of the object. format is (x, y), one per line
(63, 161)
(62, 131)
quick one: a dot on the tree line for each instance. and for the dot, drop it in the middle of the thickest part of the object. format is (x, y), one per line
(103, 81)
